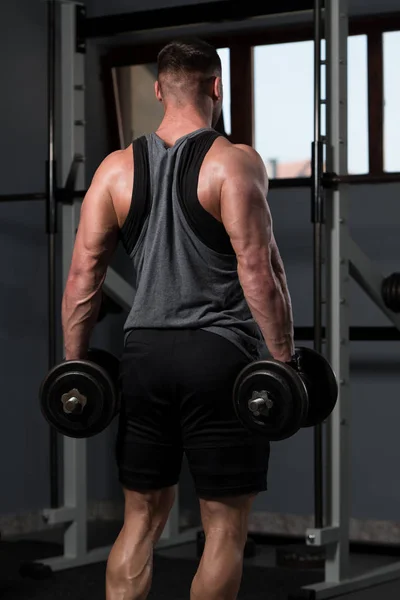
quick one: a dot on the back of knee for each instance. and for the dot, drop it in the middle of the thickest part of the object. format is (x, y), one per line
(224, 534)
(146, 513)
(227, 520)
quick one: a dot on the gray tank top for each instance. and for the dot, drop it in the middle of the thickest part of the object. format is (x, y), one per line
(184, 267)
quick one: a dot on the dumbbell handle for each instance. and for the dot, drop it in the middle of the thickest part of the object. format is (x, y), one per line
(260, 403)
(74, 402)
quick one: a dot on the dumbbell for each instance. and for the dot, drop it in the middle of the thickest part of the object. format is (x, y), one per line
(276, 399)
(79, 398)
(391, 292)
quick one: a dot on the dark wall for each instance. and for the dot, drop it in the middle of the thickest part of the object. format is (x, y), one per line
(97, 8)
(24, 435)
(105, 7)
(23, 320)
(23, 316)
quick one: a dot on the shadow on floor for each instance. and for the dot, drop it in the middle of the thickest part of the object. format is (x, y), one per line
(172, 577)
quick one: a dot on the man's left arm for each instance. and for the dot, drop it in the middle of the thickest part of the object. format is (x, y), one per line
(96, 240)
(279, 270)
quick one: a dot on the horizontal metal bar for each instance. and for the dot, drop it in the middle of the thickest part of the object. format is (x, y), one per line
(332, 180)
(369, 579)
(60, 195)
(22, 197)
(61, 563)
(177, 16)
(296, 182)
(357, 334)
(64, 514)
(364, 179)
(371, 178)
(322, 537)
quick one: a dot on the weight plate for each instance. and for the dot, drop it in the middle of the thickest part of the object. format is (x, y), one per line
(321, 384)
(108, 361)
(286, 391)
(93, 383)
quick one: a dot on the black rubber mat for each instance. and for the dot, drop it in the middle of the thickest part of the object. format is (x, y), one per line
(172, 578)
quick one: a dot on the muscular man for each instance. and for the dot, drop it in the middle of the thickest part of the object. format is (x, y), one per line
(210, 291)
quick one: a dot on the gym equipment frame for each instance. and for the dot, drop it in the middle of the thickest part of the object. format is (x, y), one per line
(343, 259)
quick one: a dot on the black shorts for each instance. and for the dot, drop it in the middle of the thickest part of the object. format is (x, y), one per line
(177, 397)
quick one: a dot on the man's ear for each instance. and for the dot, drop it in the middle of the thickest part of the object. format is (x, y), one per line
(157, 89)
(217, 90)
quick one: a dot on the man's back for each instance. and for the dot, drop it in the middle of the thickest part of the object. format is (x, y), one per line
(221, 162)
(184, 265)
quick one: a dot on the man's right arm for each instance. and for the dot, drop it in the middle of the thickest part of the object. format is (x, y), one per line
(247, 220)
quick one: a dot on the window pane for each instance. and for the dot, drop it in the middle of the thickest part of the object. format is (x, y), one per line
(284, 106)
(138, 111)
(358, 155)
(391, 75)
(224, 54)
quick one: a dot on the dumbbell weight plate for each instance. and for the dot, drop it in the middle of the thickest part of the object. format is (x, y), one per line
(321, 383)
(93, 383)
(108, 361)
(286, 391)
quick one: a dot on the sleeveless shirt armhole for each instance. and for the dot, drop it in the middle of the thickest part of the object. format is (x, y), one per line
(140, 203)
(206, 228)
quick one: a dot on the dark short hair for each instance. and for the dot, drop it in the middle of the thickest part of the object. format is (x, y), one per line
(188, 56)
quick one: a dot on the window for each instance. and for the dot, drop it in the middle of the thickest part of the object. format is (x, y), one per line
(271, 71)
(357, 110)
(284, 106)
(391, 87)
(224, 55)
(138, 111)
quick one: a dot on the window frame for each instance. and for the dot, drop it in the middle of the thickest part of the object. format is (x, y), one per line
(241, 46)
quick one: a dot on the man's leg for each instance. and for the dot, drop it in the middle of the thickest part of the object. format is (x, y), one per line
(149, 456)
(130, 564)
(225, 524)
(229, 465)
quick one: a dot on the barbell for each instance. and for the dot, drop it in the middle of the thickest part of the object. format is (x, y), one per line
(80, 398)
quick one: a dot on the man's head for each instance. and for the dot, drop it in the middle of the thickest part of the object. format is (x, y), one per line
(189, 74)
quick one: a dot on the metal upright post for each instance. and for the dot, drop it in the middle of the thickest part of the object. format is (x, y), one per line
(51, 229)
(73, 512)
(337, 232)
(317, 218)
(342, 253)
(72, 144)
(334, 535)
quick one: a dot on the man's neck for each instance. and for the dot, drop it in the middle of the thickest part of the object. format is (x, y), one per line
(177, 123)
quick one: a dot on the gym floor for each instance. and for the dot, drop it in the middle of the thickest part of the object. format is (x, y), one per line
(174, 569)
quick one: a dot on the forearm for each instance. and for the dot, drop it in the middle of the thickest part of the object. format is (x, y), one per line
(280, 274)
(281, 277)
(80, 308)
(269, 303)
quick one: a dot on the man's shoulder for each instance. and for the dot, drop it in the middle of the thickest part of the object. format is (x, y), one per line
(236, 159)
(236, 155)
(116, 164)
(118, 159)
(248, 151)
